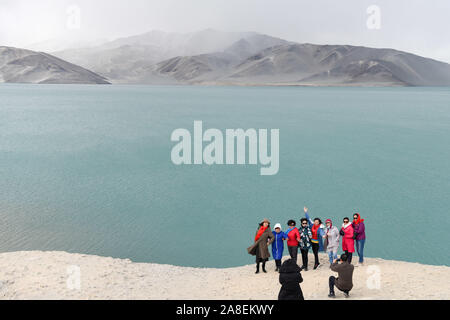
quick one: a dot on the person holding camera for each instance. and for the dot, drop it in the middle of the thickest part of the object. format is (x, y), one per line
(344, 281)
(348, 242)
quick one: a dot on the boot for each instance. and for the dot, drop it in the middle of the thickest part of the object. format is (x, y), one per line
(264, 267)
(257, 268)
(331, 295)
(346, 294)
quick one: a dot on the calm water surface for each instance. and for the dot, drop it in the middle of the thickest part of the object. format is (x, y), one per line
(87, 169)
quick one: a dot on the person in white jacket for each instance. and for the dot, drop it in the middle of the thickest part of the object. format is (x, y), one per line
(331, 238)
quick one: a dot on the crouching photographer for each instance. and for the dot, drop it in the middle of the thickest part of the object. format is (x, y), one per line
(344, 281)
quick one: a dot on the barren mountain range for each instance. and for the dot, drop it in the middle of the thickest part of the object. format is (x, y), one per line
(222, 58)
(25, 66)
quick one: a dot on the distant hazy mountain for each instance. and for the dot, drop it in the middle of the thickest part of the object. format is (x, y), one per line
(307, 64)
(129, 59)
(25, 66)
(248, 58)
(71, 41)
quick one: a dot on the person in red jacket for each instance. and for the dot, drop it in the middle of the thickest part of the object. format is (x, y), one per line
(293, 237)
(348, 243)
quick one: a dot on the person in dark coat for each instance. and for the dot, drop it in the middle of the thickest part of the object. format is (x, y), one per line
(344, 281)
(290, 279)
(305, 242)
(260, 248)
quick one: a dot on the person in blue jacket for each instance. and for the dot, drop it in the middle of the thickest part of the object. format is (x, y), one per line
(278, 245)
(318, 233)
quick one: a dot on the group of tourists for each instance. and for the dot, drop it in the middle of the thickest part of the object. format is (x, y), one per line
(311, 234)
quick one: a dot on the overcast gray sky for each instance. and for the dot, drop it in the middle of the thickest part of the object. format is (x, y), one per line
(417, 26)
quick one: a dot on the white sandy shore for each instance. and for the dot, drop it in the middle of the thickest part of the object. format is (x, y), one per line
(45, 275)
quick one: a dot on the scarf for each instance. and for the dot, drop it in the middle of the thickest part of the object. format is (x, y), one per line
(289, 230)
(260, 233)
(346, 225)
(331, 225)
(359, 220)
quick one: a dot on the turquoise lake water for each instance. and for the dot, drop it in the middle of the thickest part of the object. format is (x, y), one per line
(87, 169)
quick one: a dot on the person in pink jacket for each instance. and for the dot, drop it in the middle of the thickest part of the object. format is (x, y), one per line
(348, 243)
